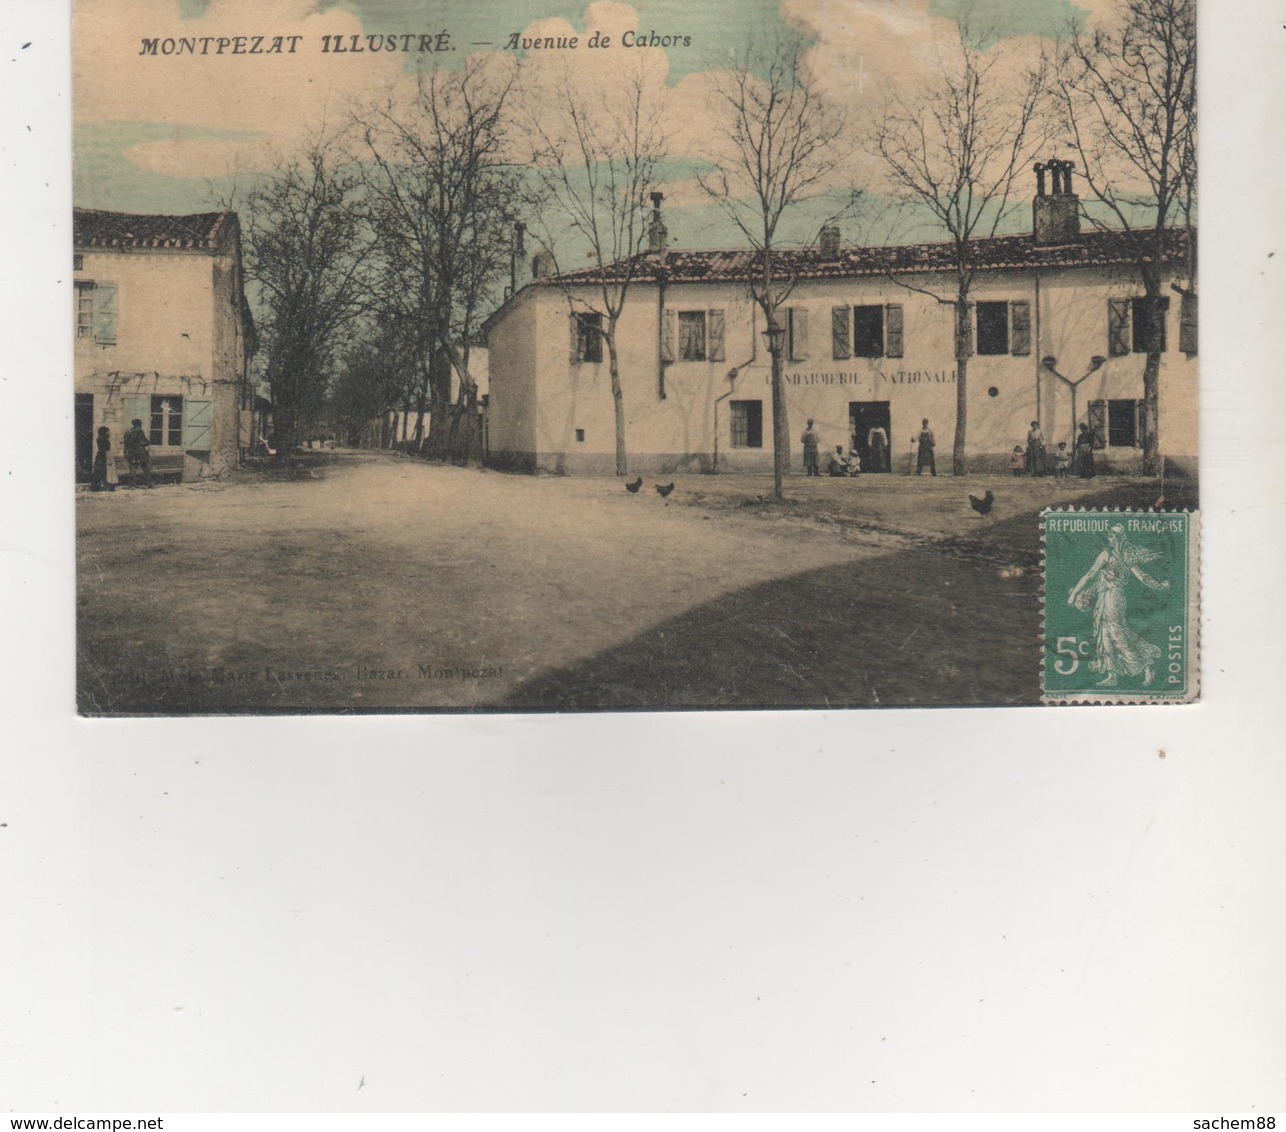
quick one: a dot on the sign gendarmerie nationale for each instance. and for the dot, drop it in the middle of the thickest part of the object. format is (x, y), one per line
(629, 356)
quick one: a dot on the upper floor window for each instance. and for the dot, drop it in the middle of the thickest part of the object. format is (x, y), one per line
(1004, 328)
(587, 337)
(693, 336)
(96, 312)
(867, 331)
(1137, 325)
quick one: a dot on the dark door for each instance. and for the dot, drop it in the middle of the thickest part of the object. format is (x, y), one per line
(863, 416)
(84, 436)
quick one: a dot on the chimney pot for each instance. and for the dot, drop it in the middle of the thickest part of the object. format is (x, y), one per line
(542, 265)
(830, 242)
(1056, 217)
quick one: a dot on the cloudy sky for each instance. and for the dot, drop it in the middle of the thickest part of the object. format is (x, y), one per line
(153, 133)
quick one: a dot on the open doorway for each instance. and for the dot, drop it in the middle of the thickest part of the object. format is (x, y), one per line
(84, 437)
(864, 417)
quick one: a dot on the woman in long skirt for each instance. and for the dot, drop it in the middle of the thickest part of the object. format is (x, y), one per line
(1083, 457)
(103, 477)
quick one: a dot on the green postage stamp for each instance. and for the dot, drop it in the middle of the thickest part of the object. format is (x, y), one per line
(1120, 622)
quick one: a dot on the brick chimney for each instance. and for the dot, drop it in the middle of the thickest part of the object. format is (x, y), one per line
(1056, 216)
(830, 242)
(657, 236)
(542, 265)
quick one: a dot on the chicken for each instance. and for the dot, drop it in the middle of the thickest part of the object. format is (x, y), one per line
(633, 488)
(664, 489)
(983, 505)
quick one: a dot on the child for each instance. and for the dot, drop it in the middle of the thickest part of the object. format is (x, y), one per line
(1017, 462)
(1062, 460)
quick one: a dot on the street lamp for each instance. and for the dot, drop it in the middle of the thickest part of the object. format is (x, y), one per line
(775, 339)
(1096, 363)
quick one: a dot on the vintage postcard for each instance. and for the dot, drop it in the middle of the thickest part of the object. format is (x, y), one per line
(607, 356)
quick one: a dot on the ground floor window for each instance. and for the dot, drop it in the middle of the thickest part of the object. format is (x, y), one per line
(747, 424)
(1116, 424)
(166, 425)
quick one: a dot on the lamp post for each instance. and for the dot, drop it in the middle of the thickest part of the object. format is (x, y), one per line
(1096, 363)
(775, 339)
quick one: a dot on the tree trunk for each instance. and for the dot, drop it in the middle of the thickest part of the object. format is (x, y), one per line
(1152, 378)
(618, 399)
(962, 386)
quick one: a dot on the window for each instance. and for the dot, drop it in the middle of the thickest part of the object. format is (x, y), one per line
(876, 331)
(587, 327)
(1116, 424)
(700, 336)
(1188, 323)
(580, 436)
(747, 424)
(692, 336)
(1136, 325)
(78, 262)
(165, 429)
(993, 328)
(96, 311)
(84, 310)
(1004, 328)
(868, 332)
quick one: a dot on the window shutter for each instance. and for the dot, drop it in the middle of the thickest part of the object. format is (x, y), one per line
(135, 408)
(196, 424)
(893, 330)
(667, 338)
(1118, 327)
(799, 334)
(716, 335)
(841, 323)
(1188, 323)
(573, 339)
(1098, 423)
(105, 314)
(1020, 328)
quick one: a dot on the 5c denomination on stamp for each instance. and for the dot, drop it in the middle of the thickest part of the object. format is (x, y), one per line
(1120, 622)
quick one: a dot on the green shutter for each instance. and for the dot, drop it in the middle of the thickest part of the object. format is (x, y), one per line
(716, 336)
(841, 325)
(1188, 323)
(1020, 328)
(1118, 327)
(893, 330)
(105, 314)
(196, 424)
(1097, 418)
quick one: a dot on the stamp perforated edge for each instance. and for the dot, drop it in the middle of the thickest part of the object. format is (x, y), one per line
(1193, 617)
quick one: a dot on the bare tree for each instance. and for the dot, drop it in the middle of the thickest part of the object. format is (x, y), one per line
(307, 247)
(596, 156)
(957, 151)
(784, 146)
(1129, 101)
(442, 194)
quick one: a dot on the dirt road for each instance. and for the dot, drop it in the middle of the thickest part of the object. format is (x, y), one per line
(383, 583)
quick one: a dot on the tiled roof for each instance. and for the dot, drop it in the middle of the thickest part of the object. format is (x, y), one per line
(203, 231)
(1092, 249)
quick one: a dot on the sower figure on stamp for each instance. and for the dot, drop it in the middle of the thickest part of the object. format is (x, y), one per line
(1118, 649)
(925, 458)
(811, 442)
(137, 454)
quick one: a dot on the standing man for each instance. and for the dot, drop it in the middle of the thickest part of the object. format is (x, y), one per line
(1036, 450)
(925, 458)
(136, 453)
(811, 442)
(877, 443)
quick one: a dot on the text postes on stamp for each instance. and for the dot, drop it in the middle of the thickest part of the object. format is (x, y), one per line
(1120, 622)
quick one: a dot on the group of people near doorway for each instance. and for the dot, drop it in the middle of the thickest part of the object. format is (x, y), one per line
(1035, 459)
(841, 463)
(137, 456)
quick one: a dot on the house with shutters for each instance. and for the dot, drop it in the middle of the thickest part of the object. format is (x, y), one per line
(869, 345)
(163, 334)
